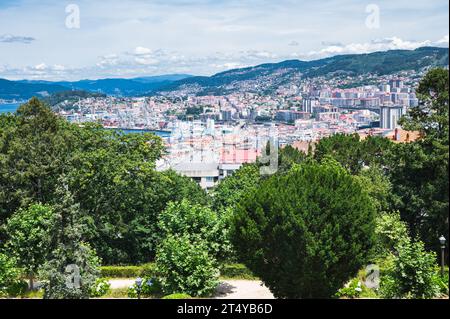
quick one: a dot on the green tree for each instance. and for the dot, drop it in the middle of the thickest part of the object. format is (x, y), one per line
(431, 116)
(390, 232)
(412, 274)
(352, 152)
(307, 232)
(186, 267)
(379, 187)
(34, 151)
(419, 170)
(72, 268)
(9, 274)
(30, 237)
(197, 222)
(289, 156)
(232, 188)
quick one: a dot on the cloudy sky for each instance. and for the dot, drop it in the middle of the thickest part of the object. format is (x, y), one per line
(44, 39)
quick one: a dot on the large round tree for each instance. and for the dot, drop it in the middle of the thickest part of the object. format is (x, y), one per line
(307, 232)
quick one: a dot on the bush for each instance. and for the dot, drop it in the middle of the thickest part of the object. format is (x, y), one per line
(305, 233)
(83, 274)
(390, 231)
(145, 270)
(100, 288)
(148, 270)
(352, 290)
(186, 267)
(199, 223)
(412, 275)
(150, 287)
(9, 275)
(442, 282)
(177, 296)
(120, 271)
(236, 271)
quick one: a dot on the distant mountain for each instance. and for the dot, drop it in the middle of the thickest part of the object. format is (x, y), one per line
(264, 78)
(162, 78)
(25, 89)
(268, 77)
(17, 90)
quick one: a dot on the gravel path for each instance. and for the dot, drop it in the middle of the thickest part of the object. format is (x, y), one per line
(121, 283)
(243, 289)
(228, 289)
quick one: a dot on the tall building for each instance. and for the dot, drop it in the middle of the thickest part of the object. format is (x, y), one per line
(390, 115)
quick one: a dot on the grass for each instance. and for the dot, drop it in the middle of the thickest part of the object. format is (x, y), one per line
(116, 293)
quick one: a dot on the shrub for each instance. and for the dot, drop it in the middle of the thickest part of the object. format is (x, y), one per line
(412, 275)
(390, 231)
(54, 273)
(199, 223)
(145, 270)
(100, 288)
(121, 271)
(150, 287)
(305, 233)
(442, 282)
(352, 290)
(177, 296)
(148, 270)
(186, 267)
(236, 271)
(9, 274)
(29, 237)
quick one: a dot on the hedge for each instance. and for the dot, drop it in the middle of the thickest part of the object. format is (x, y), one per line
(146, 270)
(177, 296)
(238, 271)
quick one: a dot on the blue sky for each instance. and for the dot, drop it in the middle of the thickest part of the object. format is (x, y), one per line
(128, 38)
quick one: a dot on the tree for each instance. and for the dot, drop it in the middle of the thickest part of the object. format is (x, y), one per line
(431, 116)
(378, 187)
(412, 274)
(346, 149)
(186, 267)
(30, 237)
(9, 274)
(34, 149)
(390, 232)
(72, 269)
(352, 152)
(198, 223)
(419, 170)
(305, 233)
(289, 156)
(232, 188)
(109, 173)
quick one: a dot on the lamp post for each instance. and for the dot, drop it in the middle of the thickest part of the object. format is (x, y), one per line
(442, 241)
(139, 285)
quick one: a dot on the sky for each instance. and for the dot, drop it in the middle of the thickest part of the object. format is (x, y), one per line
(80, 39)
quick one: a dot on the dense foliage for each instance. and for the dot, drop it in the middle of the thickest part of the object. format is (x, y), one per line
(184, 266)
(9, 274)
(30, 237)
(419, 171)
(413, 273)
(307, 232)
(111, 176)
(197, 222)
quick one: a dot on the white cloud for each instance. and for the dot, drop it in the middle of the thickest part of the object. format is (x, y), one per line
(40, 67)
(384, 44)
(444, 40)
(142, 51)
